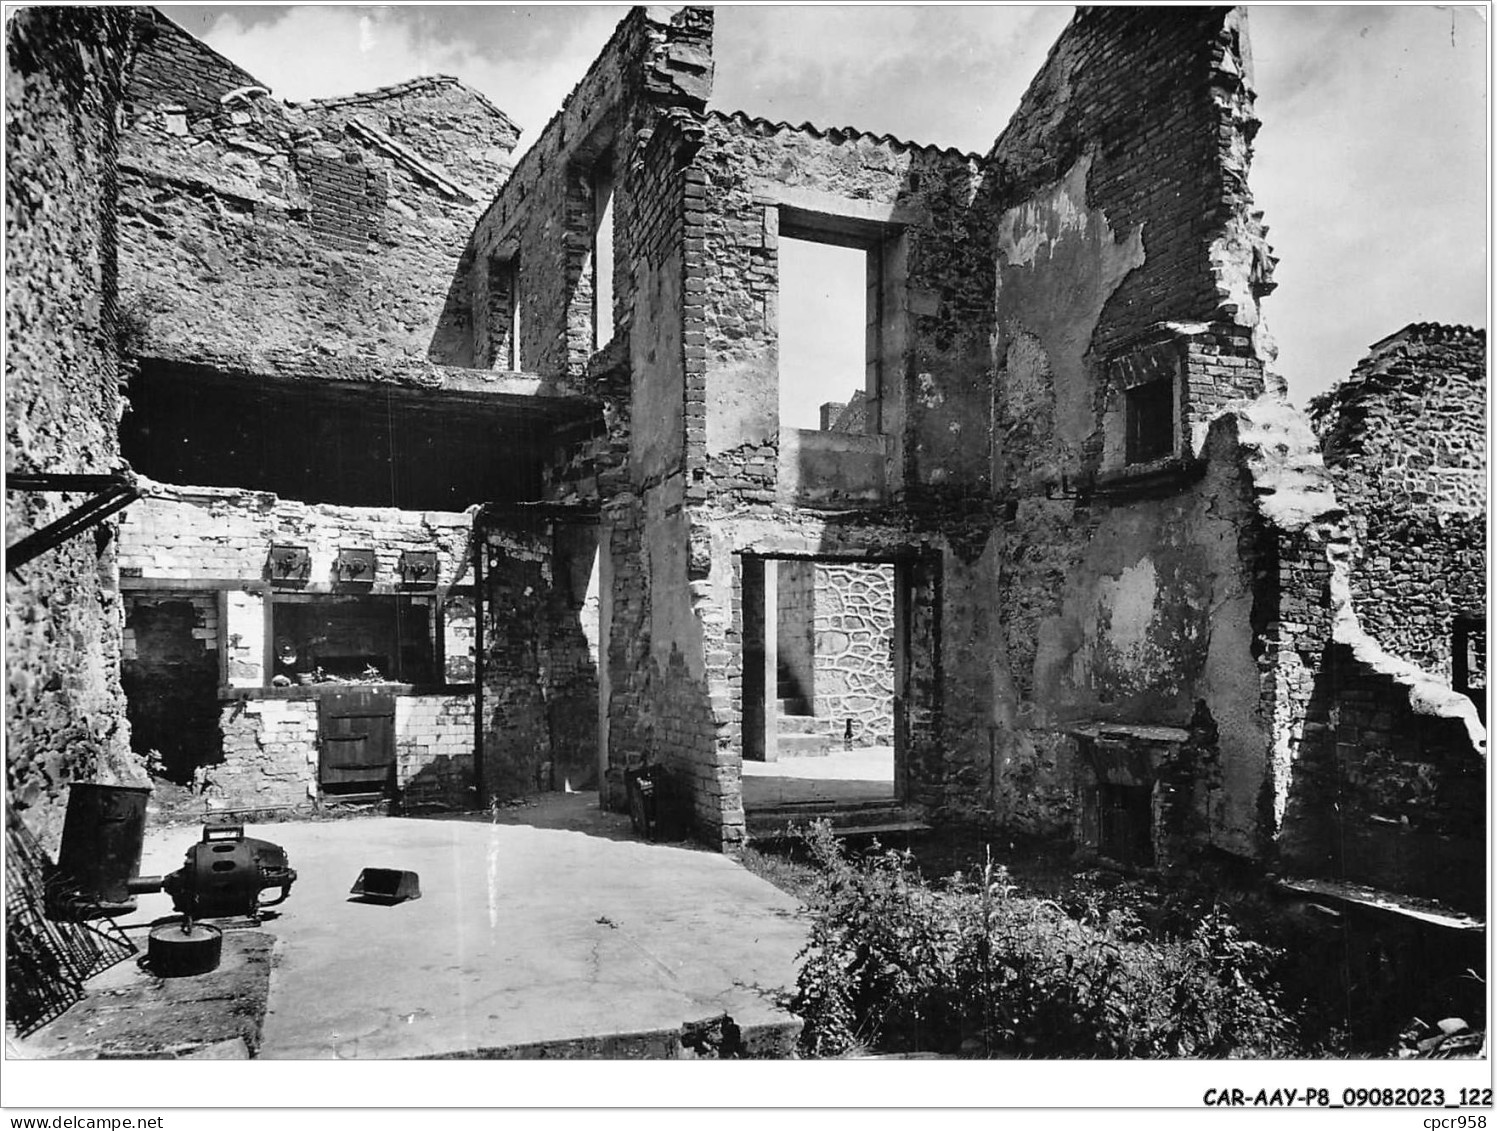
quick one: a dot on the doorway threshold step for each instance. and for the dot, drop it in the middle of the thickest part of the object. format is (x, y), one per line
(869, 818)
(803, 745)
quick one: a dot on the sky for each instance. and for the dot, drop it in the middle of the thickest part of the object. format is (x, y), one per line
(1371, 165)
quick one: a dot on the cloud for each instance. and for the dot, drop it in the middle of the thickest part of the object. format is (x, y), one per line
(1371, 170)
(950, 76)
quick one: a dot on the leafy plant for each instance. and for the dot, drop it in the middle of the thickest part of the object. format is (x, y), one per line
(973, 966)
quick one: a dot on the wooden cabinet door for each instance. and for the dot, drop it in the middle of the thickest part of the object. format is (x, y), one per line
(357, 737)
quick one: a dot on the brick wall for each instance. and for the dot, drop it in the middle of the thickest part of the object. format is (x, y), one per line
(434, 751)
(1162, 100)
(222, 537)
(173, 68)
(170, 673)
(220, 532)
(64, 709)
(269, 758)
(540, 662)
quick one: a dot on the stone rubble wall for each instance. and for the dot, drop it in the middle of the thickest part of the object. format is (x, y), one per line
(1376, 764)
(64, 708)
(1405, 439)
(320, 235)
(855, 651)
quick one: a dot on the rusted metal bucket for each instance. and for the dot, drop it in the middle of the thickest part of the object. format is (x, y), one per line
(386, 885)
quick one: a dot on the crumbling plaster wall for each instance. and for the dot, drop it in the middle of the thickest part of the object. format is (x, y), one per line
(334, 227)
(1405, 439)
(64, 708)
(1125, 248)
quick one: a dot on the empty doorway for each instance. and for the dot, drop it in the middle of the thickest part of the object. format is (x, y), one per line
(824, 664)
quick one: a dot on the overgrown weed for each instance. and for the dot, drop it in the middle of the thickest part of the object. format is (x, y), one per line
(971, 965)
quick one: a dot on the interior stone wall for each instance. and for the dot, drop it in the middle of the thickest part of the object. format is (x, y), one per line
(855, 651)
(65, 714)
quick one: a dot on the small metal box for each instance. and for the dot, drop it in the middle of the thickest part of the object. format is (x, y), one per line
(418, 568)
(355, 567)
(289, 565)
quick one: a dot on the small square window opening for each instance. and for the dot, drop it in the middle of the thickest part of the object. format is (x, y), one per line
(1150, 409)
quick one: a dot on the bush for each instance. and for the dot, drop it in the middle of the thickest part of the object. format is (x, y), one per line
(971, 966)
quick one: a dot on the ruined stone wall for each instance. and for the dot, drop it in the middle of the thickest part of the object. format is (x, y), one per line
(1374, 764)
(1126, 251)
(1156, 108)
(64, 709)
(333, 227)
(854, 640)
(1389, 786)
(936, 302)
(539, 668)
(1405, 439)
(543, 220)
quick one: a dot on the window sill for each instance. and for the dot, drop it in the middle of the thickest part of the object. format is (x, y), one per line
(318, 690)
(1157, 475)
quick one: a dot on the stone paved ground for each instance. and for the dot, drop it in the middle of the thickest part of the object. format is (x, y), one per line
(845, 776)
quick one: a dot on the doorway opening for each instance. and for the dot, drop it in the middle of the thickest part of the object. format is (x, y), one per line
(824, 661)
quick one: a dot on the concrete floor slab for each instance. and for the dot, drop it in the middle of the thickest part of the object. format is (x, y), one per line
(550, 923)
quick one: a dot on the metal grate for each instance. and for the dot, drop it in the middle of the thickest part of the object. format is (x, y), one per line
(46, 961)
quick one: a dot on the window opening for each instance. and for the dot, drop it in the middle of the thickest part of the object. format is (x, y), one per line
(504, 314)
(1468, 653)
(602, 253)
(365, 639)
(1150, 410)
(828, 321)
